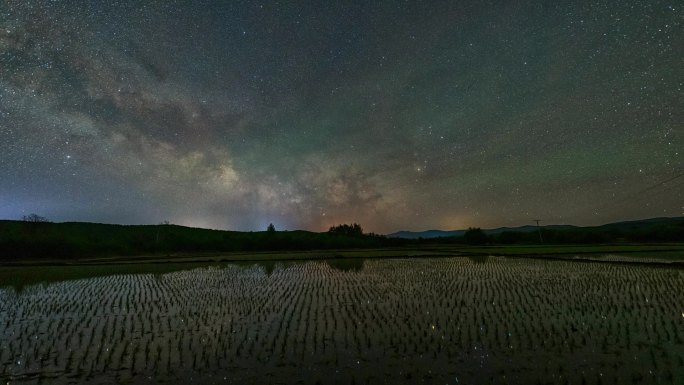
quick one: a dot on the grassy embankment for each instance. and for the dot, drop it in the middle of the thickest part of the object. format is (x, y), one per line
(23, 241)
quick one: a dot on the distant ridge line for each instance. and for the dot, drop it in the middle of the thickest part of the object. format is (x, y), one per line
(527, 228)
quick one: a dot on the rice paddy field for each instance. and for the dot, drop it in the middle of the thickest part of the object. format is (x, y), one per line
(485, 320)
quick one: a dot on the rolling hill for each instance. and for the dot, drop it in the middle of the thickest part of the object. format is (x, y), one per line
(626, 226)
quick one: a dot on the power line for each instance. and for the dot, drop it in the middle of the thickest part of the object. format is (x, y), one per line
(643, 191)
(659, 184)
(539, 230)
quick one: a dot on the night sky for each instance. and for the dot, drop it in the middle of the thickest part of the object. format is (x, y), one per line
(393, 114)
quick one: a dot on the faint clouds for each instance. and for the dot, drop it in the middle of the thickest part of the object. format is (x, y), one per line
(227, 176)
(76, 123)
(164, 164)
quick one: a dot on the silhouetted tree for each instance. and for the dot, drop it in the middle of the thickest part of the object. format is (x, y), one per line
(353, 230)
(34, 218)
(271, 228)
(475, 236)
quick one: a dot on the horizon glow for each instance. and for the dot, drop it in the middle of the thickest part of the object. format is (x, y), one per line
(397, 116)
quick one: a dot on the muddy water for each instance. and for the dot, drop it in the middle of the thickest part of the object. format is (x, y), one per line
(441, 321)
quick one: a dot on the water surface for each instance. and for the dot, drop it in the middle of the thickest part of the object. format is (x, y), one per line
(441, 320)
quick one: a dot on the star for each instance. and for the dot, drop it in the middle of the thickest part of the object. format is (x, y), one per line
(231, 115)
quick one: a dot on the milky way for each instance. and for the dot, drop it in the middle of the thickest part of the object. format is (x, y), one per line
(393, 114)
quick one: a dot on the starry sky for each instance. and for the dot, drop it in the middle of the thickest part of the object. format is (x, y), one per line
(399, 115)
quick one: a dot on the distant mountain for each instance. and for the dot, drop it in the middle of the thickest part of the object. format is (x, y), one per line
(627, 225)
(642, 223)
(528, 228)
(457, 233)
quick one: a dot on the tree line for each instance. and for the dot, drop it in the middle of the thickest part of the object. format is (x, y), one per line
(673, 232)
(27, 239)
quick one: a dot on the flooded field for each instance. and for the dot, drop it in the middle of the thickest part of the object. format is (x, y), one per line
(441, 321)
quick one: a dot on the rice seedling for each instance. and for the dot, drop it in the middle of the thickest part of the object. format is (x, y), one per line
(442, 320)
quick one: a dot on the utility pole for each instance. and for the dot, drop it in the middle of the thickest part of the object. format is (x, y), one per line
(539, 230)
